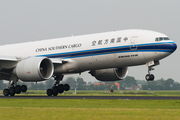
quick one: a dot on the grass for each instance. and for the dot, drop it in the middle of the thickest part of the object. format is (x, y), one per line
(92, 109)
(88, 109)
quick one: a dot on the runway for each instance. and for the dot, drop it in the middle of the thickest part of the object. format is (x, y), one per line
(96, 97)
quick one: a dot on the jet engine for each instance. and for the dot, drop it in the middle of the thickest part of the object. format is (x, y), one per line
(34, 69)
(111, 74)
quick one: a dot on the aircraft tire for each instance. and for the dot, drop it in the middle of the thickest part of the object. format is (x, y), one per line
(23, 88)
(61, 88)
(55, 93)
(66, 87)
(152, 77)
(147, 77)
(12, 91)
(6, 92)
(18, 89)
(49, 92)
(55, 89)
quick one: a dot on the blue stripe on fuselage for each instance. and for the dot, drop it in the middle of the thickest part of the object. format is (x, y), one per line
(152, 47)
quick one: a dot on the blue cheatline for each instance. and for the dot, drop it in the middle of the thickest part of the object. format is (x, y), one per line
(152, 47)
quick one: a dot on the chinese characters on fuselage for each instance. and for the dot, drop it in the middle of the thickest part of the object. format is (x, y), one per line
(108, 41)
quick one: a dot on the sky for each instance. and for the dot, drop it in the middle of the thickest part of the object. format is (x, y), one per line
(23, 21)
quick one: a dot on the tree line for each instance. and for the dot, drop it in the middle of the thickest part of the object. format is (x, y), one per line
(80, 84)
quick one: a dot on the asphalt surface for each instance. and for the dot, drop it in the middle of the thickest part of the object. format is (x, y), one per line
(95, 97)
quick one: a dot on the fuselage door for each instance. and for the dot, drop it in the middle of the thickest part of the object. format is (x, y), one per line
(133, 44)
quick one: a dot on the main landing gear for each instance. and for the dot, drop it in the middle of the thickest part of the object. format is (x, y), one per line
(14, 89)
(57, 88)
(149, 76)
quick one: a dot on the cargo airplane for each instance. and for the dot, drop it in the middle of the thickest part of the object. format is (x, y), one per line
(106, 56)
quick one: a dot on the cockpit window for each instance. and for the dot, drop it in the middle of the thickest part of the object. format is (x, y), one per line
(157, 39)
(161, 38)
(166, 38)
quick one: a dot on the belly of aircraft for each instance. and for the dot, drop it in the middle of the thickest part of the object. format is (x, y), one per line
(110, 61)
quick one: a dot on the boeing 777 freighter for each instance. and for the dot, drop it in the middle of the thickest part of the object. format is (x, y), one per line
(106, 56)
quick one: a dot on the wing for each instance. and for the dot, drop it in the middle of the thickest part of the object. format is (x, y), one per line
(7, 65)
(8, 58)
(8, 62)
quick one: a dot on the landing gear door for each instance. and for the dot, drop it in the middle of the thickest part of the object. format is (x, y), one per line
(133, 44)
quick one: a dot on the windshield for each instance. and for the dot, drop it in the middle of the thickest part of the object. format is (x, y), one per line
(161, 38)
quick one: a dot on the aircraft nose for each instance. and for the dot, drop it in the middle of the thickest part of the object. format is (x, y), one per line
(172, 47)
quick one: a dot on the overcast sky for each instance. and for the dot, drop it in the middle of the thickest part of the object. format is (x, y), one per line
(22, 21)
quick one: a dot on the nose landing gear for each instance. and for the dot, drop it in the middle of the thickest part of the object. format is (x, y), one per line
(149, 76)
(151, 64)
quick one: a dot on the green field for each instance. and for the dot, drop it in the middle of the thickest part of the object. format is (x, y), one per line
(89, 109)
(102, 93)
(85, 109)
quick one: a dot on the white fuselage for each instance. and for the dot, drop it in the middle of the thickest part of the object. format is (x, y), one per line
(97, 51)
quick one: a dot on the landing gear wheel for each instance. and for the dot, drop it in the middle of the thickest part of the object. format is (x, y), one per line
(18, 89)
(49, 92)
(66, 87)
(55, 93)
(152, 77)
(6, 92)
(11, 91)
(61, 88)
(23, 88)
(55, 90)
(149, 77)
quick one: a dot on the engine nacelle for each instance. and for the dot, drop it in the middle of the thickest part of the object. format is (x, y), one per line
(112, 74)
(34, 69)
